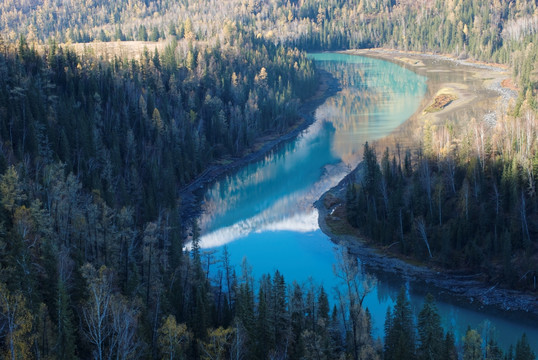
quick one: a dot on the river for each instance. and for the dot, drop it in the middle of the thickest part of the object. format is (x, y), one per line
(264, 211)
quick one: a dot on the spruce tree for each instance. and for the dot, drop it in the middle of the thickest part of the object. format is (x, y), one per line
(523, 349)
(449, 351)
(430, 332)
(296, 310)
(493, 351)
(400, 330)
(372, 173)
(66, 332)
(262, 326)
(389, 341)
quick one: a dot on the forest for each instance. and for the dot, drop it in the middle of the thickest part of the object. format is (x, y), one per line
(454, 210)
(493, 30)
(93, 153)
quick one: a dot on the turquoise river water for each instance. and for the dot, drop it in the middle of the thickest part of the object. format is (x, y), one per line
(264, 212)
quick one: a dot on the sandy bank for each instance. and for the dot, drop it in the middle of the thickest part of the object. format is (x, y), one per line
(477, 90)
(476, 86)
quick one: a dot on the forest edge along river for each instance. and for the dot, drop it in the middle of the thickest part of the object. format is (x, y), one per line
(263, 211)
(464, 285)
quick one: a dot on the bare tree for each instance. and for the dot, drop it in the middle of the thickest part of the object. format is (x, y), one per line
(450, 166)
(479, 139)
(110, 321)
(237, 347)
(420, 225)
(524, 224)
(465, 197)
(124, 326)
(426, 180)
(356, 285)
(97, 311)
(17, 322)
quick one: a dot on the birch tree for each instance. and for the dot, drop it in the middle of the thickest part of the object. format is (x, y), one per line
(16, 325)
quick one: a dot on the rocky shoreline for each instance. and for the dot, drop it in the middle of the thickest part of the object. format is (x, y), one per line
(466, 289)
(189, 194)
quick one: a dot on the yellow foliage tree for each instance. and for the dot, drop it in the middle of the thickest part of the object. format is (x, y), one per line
(172, 337)
(215, 347)
(157, 120)
(11, 190)
(18, 322)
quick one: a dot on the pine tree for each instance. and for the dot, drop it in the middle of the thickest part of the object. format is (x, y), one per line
(66, 332)
(200, 291)
(523, 349)
(245, 308)
(430, 332)
(323, 324)
(449, 351)
(372, 171)
(510, 353)
(400, 330)
(389, 336)
(297, 322)
(262, 325)
(493, 352)
(323, 305)
(279, 312)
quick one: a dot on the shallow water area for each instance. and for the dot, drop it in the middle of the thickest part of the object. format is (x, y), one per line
(264, 212)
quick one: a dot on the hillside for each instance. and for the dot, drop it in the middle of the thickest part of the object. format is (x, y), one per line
(109, 108)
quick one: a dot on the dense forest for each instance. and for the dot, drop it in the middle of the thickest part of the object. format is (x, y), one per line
(465, 198)
(457, 212)
(93, 152)
(158, 121)
(493, 30)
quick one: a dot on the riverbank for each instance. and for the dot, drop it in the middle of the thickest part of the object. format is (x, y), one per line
(481, 91)
(475, 89)
(466, 288)
(190, 201)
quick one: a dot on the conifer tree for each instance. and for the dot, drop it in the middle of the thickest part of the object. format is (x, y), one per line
(493, 351)
(523, 349)
(430, 332)
(400, 332)
(297, 322)
(449, 351)
(66, 333)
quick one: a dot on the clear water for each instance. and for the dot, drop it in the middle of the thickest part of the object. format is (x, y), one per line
(264, 211)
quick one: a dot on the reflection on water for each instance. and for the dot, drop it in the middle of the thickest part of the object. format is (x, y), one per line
(274, 192)
(278, 191)
(373, 102)
(310, 255)
(264, 211)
